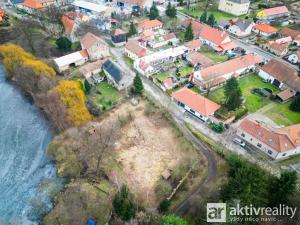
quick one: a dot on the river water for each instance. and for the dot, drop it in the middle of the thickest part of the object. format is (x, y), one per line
(26, 174)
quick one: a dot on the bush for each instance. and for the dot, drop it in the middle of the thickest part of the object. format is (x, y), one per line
(295, 105)
(164, 205)
(123, 204)
(63, 43)
(241, 113)
(163, 189)
(217, 127)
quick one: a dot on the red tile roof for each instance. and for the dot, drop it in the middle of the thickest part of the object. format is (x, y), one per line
(84, 53)
(286, 94)
(213, 35)
(276, 10)
(149, 24)
(279, 47)
(169, 36)
(198, 58)
(277, 139)
(134, 46)
(68, 24)
(117, 32)
(286, 32)
(194, 44)
(283, 73)
(230, 66)
(196, 101)
(196, 26)
(89, 39)
(266, 28)
(33, 4)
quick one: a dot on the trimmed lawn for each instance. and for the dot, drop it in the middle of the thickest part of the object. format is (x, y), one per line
(247, 83)
(161, 77)
(281, 114)
(214, 56)
(185, 70)
(196, 12)
(104, 95)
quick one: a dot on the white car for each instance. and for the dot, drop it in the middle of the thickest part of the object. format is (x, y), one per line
(239, 142)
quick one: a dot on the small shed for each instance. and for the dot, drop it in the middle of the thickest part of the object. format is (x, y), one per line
(166, 174)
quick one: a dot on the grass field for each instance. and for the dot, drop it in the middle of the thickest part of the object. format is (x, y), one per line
(213, 55)
(281, 114)
(104, 95)
(185, 70)
(161, 77)
(247, 83)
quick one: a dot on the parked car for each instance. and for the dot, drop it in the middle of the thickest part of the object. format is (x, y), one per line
(239, 142)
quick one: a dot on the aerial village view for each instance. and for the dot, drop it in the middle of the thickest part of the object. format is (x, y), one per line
(149, 112)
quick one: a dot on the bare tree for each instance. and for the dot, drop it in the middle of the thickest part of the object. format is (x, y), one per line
(86, 27)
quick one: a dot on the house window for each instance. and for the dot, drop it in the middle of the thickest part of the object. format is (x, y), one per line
(192, 111)
(270, 152)
(243, 135)
(259, 145)
(284, 154)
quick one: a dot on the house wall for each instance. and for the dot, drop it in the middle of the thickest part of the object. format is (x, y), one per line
(234, 8)
(269, 78)
(98, 51)
(131, 54)
(236, 31)
(262, 33)
(197, 114)
(278, 53)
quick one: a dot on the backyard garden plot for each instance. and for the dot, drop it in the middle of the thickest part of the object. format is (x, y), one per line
(148, 146)
(213, 55)
(248, 83)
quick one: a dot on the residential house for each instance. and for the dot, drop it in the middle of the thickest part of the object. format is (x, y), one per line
(146, 36)
(162, 40)
(264, 30)
(168, 84)
(91, 71)
(241, 28)
(278, 143)
(234, 7)
(153, 62)
(71, 60)
(118, 37)
(217, 74)
(149, 25)
(96, 47)
(193, 45)
(273, 13)
(194, 103)
(218, 40)
(133, 5)
(280, 75)
(134, 50)
(278, 48)
(114, 74)
(198, 60)
(288, 32)
(71, 22)
(32, 6)
(196, 25)
(90, 7)
(295, 57)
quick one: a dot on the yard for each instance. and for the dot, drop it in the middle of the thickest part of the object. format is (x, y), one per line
(214, 56)
(281, 114)
(161, 77)
(104, 96)
(185, 70)
(247, 83)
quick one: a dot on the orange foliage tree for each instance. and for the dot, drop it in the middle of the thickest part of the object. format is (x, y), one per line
(73, 98)
(15, 56)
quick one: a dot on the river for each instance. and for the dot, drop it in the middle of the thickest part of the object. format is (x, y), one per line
(27, 177)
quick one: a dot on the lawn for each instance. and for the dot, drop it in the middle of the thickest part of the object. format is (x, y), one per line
(104, 95)
(185, 70)
(247, 83)
(196, 12)
(161, 77)
(281, 114)
(214, 56)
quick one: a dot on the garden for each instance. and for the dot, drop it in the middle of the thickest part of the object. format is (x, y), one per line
(213, 55)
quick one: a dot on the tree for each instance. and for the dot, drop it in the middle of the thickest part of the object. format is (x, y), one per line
(164, 205)
(138, 85)
(295, 105)
(233, 94)
(188, 35)
(203, 17)
(154, 13)
(280, 189)
(123, 204)
(168, 9)
(63, 43)
(171, 10)
(132, 29)
(87, 86)
(211, 20)
(173, 220)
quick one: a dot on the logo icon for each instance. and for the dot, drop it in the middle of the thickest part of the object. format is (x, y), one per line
(216, 212)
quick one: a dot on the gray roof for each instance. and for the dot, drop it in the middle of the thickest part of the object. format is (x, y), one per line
(113, 70)
(242, 24)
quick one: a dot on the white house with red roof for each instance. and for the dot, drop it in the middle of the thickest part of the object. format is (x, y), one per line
(134, 50)
(278, 143)
(149, 25)
(273, 13)
(194, 103)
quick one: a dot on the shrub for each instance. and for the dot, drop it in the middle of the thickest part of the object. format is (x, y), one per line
(295, 105)
(123, 204)
(163, 189)
(164, 205)
(217, 127)
(241, 113)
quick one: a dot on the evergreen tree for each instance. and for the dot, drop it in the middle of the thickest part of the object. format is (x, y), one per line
(172, 220)
(280, 189)
(63, 43)
(211, 20)
(169, 8)
(171, 11)
(203, 17)
(123, 204)
(132, 29)
(188, 36)
(154, 14)
(295, 105)
(87, 86)
(164, 205)
(233, 94)
(138, 85)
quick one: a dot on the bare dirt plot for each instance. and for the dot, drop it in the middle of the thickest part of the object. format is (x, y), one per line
(148, 146)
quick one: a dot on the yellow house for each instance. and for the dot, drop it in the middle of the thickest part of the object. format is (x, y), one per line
(234, 7)
(273, 13)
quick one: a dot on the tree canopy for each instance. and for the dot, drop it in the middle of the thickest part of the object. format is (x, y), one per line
(72, 96)
(154, 13)
(63, 43)
(203, 17)
(138, 85)
(171, 10)
(295, 105)
(233, 94)
(132, 29)
(123, 204)
(211, 20)
(173, 220)
(188, 35)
